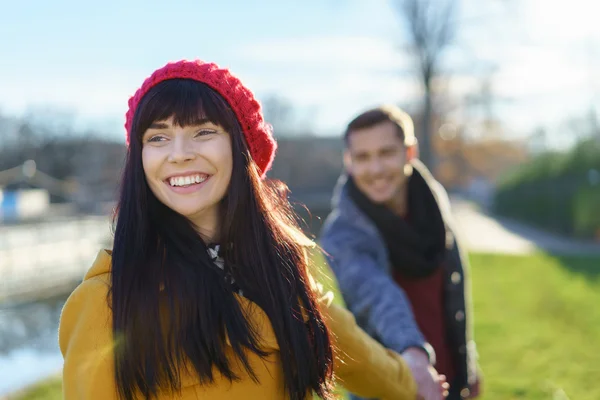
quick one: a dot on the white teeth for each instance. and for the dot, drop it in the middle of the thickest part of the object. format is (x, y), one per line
(187, 180)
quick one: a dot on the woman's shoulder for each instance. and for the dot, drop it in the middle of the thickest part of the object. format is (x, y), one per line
(97, 278)
(96, 281)
(87, 309)
(91, 295)
(101, 267)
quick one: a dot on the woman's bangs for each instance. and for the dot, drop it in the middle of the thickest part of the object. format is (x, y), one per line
(188, 102)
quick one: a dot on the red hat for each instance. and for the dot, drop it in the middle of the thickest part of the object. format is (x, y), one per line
(258, 134)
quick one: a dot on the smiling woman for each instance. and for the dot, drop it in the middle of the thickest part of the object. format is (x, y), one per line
(188, 168)
(207, 294)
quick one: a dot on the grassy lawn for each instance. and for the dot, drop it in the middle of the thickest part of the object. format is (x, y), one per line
(537, 326)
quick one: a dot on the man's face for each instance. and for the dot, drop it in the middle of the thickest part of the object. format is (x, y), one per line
(375, 157)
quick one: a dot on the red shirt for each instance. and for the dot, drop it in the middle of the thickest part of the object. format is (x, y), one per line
(426, 296)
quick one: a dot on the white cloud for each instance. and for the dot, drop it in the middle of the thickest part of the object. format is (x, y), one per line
(561, 21)
(534, 72)
(93, 94)
(339, 53)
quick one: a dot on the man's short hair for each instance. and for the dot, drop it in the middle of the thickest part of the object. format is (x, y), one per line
(383, 113)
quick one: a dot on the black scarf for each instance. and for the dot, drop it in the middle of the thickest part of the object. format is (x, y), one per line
(416, 245)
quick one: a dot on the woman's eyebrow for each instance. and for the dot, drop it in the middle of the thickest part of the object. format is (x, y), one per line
(162, 125)
(158, 125)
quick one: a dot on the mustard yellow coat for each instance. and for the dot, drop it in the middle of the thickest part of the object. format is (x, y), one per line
(362, 365)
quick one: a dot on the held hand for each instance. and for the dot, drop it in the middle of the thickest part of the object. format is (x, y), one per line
(430, 385)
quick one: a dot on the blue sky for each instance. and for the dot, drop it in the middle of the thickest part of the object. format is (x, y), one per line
(330, 58)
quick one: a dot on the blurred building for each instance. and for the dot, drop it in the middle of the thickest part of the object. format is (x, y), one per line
(23, 204)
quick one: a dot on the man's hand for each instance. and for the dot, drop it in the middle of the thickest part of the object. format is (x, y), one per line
(430, 385)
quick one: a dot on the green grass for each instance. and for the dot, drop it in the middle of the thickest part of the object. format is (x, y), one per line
(537, 327)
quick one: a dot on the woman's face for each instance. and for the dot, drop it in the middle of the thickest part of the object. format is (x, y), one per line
(189, 169)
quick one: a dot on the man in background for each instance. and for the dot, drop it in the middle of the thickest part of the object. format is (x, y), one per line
(391, 246)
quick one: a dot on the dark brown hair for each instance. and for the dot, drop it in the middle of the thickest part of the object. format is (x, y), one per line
(381, 114)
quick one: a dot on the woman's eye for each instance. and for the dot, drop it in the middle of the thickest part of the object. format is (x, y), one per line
(157, 139)
(205, 132)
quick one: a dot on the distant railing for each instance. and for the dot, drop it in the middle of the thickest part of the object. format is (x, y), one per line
(42, 258)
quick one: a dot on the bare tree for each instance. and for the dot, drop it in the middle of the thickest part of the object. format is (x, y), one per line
(431, 25)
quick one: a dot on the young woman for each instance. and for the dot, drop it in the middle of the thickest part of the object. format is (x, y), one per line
(206, 293)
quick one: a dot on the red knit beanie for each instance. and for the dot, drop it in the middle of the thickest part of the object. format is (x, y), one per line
(241, 100)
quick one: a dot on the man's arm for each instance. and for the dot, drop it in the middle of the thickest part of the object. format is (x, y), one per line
(369, 292)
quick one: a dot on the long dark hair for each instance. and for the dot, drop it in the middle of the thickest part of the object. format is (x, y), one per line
(159, 261)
